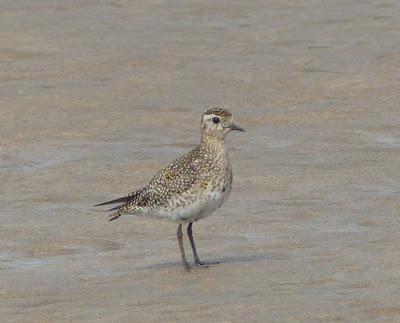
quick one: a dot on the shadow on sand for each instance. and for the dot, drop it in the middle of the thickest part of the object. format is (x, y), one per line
(223, 260)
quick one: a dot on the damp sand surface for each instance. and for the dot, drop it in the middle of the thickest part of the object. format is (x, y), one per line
(96, 96)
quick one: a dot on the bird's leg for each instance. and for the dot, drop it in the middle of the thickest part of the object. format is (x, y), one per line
(180, 240)
(196, 256)
(190, 234)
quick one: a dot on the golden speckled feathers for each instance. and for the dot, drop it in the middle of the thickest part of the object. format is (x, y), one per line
(185, 173)
(218, 111)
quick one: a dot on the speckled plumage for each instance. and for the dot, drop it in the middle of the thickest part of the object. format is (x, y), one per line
(190, 177)
(192, 186)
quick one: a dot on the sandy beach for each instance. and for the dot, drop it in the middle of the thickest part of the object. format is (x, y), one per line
(96, 96)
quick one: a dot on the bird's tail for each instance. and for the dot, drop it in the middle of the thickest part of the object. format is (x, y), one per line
(119, 209)
(115, 215)
(125, 205)
(118, 200)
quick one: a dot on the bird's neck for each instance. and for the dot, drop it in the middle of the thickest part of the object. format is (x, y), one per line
(212, 143)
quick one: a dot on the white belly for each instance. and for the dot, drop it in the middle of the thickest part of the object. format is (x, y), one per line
(197, 209)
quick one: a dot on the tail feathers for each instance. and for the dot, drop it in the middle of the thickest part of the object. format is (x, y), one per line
(118, 209)
(124, 204)
(114, 208)
(115, 215)
(118, 200)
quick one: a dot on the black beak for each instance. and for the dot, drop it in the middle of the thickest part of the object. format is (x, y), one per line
(236, 127)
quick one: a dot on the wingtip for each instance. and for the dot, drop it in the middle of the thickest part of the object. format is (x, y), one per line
(118, 200)
(114, 208)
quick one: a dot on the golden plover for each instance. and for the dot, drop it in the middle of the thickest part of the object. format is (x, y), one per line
(191, 187)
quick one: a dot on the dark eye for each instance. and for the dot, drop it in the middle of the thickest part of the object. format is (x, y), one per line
(215, 120)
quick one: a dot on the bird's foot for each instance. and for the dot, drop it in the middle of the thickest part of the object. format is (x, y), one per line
(203, 264)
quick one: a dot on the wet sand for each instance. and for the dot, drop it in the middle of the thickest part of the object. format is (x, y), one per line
(98, 95)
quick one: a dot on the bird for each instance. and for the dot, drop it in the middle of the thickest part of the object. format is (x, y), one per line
(191, 187)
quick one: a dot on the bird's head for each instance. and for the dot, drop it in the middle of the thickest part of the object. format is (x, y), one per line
(217, 123)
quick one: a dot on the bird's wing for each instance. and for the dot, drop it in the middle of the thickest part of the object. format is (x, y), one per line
(123, 199)
(175, 179)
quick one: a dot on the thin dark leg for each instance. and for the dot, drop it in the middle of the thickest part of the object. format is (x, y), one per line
(180, 240)
(190, 234)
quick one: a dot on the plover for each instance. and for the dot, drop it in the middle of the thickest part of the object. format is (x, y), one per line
(192, 186)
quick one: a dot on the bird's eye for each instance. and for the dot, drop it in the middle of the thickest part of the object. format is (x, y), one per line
(215, 120)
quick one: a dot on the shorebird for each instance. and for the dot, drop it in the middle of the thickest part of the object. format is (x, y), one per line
(192, 186)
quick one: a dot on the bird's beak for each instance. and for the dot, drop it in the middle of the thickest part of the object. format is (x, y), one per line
(233, 126)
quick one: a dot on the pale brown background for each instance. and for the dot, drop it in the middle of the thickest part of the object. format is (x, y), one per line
(98, 95)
